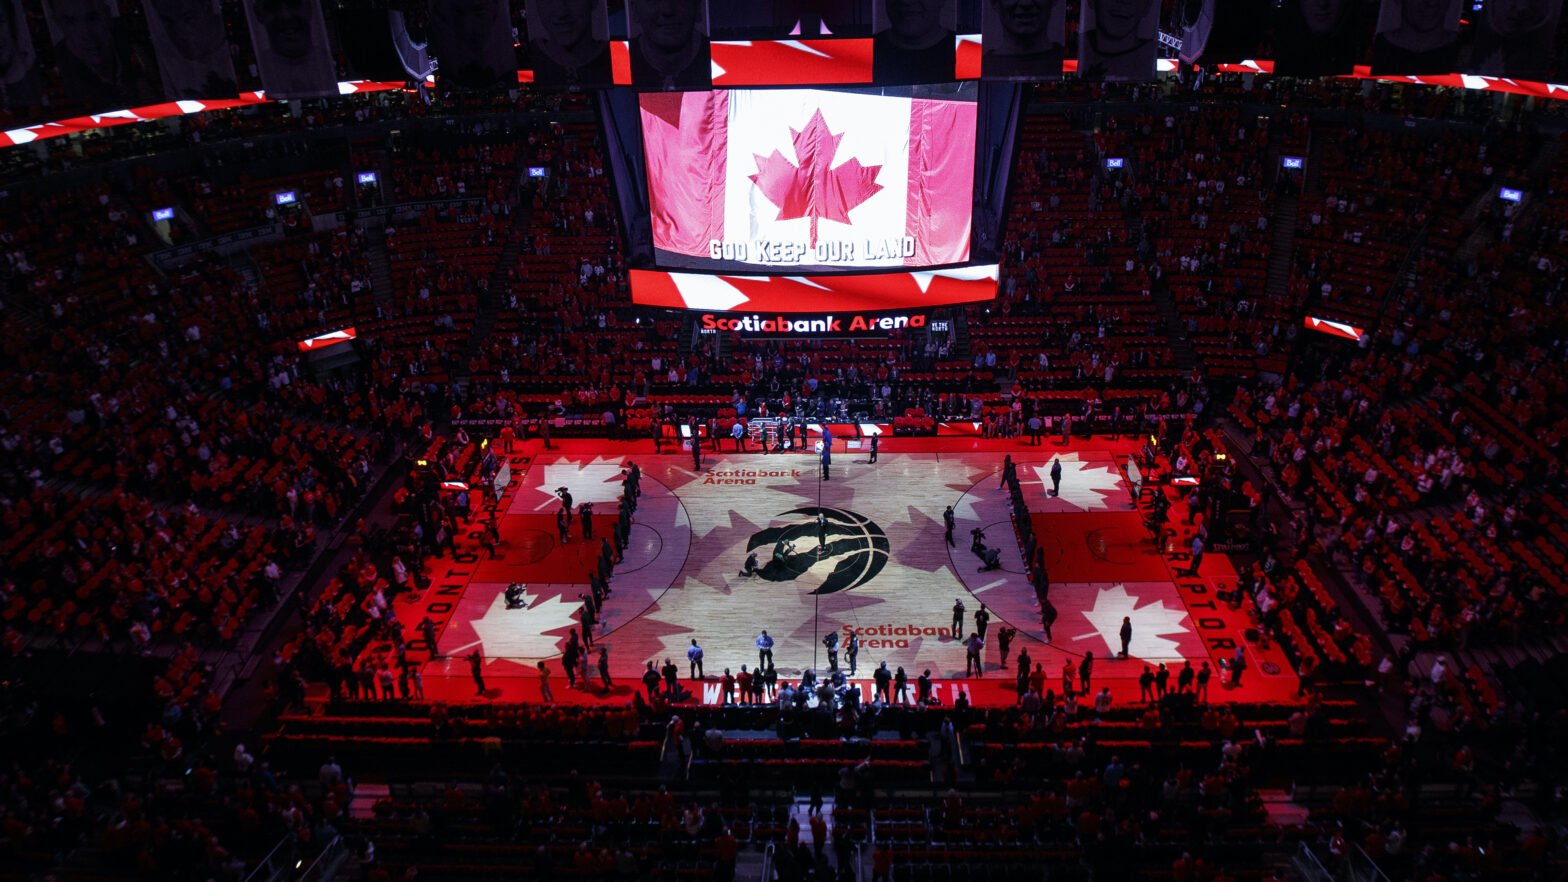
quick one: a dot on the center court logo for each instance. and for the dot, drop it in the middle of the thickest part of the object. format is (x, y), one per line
(857, 545)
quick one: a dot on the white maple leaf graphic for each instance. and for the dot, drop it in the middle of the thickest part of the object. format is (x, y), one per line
(1150, 623)
(597, 481)
(1086, 486)
(519, 634)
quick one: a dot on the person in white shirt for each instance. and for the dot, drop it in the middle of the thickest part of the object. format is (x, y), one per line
(331, 773)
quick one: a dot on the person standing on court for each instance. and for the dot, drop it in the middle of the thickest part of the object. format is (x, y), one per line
(427, 627)
(1004, 642)
(831, 642)
(883, 678)
(958, 618)
(1197, 557)
(982, 620)
(1047, 617)
(1056, 475)
(827, 454)
(1126, 635)
(476, 668)
(604, 668)
(694, 660)
(876, 441)
(764, 649)
(650, 682)
(672, 675)
(852, 650)
(569, 661)
(1067, 428)
(743, 685)
(1086, 671)
(1034, 430)
(545, 694)
(972, 648)
(949, 521)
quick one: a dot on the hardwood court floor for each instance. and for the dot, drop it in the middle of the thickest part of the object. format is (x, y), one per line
(885, 572)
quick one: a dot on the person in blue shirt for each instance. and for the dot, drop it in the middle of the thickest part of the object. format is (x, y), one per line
(694, 660)
(1197, 556)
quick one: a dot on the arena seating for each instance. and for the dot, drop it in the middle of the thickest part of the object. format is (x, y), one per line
(171, 463)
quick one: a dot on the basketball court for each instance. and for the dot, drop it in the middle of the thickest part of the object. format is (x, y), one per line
(884, 570)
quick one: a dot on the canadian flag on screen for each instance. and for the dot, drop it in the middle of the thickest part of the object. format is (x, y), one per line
(857, 180)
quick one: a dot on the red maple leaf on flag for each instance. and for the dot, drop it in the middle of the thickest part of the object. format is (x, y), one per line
(814, 189)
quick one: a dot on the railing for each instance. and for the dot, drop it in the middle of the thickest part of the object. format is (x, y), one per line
(165, 258)
(286, 862)
(326, 864)
(1356, 867)
(767, 863)
(1308, 865)
(278, 862)
(1359, 867)
(412, 207)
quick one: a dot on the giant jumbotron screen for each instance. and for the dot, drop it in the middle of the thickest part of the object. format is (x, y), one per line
(800, 200)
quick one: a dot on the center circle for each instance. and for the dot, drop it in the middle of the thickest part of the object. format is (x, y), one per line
(531, 545)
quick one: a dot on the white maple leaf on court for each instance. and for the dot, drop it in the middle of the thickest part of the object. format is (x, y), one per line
(1150, 624)
(1086, 486)
(597, 481)
(521, 634)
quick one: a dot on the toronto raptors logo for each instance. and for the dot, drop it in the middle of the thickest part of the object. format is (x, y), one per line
(854, 543)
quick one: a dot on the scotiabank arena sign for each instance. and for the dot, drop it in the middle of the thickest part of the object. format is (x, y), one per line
(815, 295)
(755, 325)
